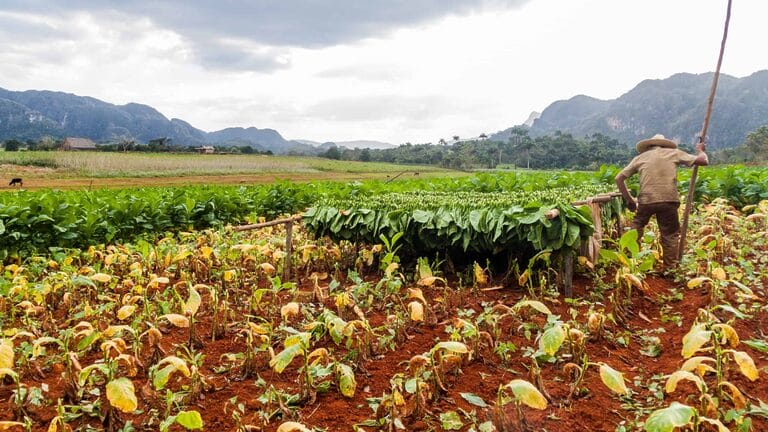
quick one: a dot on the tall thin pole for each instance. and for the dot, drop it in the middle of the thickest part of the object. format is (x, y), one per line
(703, 136)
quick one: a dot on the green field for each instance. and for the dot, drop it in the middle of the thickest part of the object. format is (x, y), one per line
(61, 164)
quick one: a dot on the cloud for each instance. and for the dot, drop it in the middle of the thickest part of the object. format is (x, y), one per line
(264, 30)
(377, 107)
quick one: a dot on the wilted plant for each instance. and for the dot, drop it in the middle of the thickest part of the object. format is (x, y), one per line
(520, 392)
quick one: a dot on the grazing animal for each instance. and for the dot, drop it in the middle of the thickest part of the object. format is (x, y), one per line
(16, 181)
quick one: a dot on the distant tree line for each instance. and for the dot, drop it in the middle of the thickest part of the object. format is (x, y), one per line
(560, 150)
(159, 145)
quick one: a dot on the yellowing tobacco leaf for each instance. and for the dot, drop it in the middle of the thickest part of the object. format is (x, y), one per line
(193, 302)
(415, 293)
(159, 281)
(391, 269)
(267, 268)
(739, 401)
(695, 339)
(416, 311)
(527, 393)
(293, 427)
(715, 422)
(170, 365)
(633, 280)
(698, 364)
(6, 425)
(122, 395)
(6, 354)
(429, 281)
(206, 251)
(680, 375)
(693, 283)
(613, 379)
(523, 279)
(125, 312)
(481, 278)
(182, 255)
(228, 275)
(746, 364)
(177, 320)
(595, 322)
(290, 310)
(729, 334)
(101, 277)
(719, 273)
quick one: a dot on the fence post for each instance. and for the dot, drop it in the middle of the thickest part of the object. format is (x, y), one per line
(288, 250)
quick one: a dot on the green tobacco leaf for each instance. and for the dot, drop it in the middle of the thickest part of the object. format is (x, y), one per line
(757, 344)
(533, 304)
(474, 399)
(552, 339)
(190, 419)
(451, 420)
(282, 359)
(667, 419)
(628, 241)
(347, 382)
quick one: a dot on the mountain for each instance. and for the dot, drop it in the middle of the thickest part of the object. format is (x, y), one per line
(261, 139)
(33, 114)
(674, 106)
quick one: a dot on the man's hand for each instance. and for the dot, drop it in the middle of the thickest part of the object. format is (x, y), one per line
(632, 204)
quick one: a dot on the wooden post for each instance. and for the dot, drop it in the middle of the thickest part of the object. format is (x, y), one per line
(288, 251)
(567, 273)
(288, 239)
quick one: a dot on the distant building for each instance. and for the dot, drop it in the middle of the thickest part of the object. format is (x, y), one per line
(205, 150)
(75, 144)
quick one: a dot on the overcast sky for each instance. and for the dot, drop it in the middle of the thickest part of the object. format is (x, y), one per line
(386, 70)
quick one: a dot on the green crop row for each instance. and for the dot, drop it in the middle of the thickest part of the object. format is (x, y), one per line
(738, 184)
(36, 221)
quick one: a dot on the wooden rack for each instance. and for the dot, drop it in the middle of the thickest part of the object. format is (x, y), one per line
(589, 248)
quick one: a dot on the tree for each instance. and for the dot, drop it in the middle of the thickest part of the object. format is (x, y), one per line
(365, 155)
(757, 142)
(332, 153)
(13, 145)
(521, 142)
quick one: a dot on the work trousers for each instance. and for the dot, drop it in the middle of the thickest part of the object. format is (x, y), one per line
(669, 226)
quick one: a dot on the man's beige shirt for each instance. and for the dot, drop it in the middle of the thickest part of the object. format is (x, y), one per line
(658, 173)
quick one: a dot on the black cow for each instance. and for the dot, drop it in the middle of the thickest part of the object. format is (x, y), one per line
(16, 181)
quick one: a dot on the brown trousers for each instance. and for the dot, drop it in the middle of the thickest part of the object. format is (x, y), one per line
(669, 225)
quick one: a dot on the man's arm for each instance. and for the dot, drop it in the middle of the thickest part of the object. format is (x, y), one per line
(620, 182)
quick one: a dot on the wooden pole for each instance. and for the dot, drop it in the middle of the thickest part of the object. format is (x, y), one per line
(703, 137)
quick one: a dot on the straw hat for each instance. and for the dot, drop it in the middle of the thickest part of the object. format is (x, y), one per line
(656, 140)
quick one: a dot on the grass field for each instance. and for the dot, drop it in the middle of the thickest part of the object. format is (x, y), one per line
(69, 170)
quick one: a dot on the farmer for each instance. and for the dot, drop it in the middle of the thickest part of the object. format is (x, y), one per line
(657, 164)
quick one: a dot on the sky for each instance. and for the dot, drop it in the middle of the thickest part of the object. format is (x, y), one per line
(394, 71)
